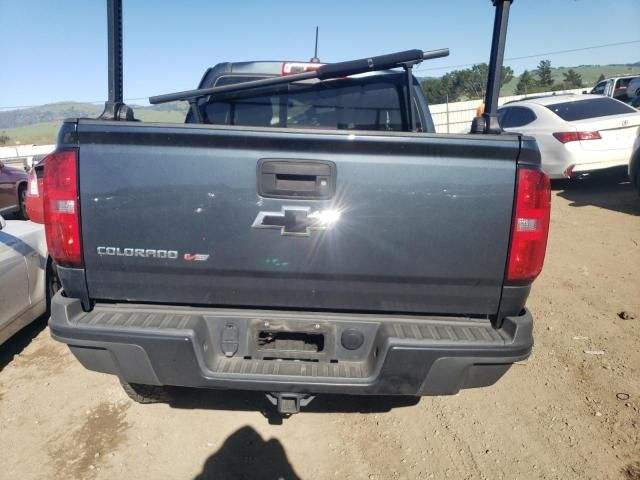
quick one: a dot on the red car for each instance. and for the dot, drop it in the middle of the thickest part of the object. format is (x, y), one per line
(13, 190)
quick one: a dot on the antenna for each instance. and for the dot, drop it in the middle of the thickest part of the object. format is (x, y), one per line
(315, 58)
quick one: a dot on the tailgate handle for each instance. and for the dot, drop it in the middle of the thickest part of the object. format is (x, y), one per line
(305, 179)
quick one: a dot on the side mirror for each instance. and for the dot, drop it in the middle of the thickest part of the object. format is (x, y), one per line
(3, 222)
(584, 91)
(1, 164)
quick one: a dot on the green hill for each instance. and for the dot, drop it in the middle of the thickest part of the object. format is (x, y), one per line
(39, 125)
(589, 74)
(47, 113)
(38, 134)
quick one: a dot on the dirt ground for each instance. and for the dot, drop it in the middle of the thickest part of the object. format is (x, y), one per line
(570, 411)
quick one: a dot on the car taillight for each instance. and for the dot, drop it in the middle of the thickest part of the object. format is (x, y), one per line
(61, 216)
(566, 137)
(530, 227)
(33, 183)
(33, 202)
(291, 68)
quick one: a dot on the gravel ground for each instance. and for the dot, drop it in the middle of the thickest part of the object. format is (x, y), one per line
(570, 411)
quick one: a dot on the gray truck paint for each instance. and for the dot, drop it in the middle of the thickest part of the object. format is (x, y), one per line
(424, 219)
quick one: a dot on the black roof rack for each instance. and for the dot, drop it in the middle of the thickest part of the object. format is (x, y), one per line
(116, 109)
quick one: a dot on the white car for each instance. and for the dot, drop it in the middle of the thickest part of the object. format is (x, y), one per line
(634, 164)
(27, 279)
(576, 134)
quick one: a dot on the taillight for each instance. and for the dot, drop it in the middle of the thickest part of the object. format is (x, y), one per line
(61, 216)
(530, 227)
(34, 200)
(566, 137)
(291, 68)
(33, 183)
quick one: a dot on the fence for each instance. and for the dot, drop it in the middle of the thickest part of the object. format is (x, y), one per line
(24, 155)
(456, 117)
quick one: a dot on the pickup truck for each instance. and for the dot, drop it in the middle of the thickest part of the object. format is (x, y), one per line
(624, 88)
(296, 238)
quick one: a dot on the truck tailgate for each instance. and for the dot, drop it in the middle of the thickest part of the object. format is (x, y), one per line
(418, 223)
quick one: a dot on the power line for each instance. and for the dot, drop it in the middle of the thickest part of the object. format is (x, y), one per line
(420, 68)
(557, 52)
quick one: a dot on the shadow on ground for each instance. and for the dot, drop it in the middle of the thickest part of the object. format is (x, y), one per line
(236, 400)
(245, 455)
(16, 344)
(611, 190)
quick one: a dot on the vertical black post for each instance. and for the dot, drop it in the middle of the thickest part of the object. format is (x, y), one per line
(193, 105)
(114, 21)
(411, 121)
(114, 108)
(448, 128)
(500, 24)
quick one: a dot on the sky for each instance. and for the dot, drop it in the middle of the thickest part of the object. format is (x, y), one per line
(56, 50)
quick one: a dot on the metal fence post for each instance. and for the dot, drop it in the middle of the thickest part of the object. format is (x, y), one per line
(447, 113)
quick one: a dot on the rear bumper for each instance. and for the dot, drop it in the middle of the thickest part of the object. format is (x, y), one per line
(581, 168)
(403, 355)
(580, 161)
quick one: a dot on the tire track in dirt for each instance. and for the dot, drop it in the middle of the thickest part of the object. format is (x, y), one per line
(80, 453)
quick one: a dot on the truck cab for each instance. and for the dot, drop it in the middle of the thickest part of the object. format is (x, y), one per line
(370, 101)
(616, 88)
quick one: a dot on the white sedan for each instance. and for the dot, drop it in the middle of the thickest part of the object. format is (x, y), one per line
(27, 279)
(576, 134)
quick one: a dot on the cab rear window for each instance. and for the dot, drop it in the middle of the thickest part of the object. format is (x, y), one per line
(591, 108)
(345, 104)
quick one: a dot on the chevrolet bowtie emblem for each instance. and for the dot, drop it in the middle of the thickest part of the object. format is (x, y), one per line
(297, 221)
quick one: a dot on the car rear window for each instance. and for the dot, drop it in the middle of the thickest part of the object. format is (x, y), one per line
(346, 104)
(591, 108)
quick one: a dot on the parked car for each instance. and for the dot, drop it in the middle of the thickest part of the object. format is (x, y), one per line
(13, 191)
(633, 92)
(633, 88)
(634, 163)
(27, 277)
(577, 134)
(617, 88)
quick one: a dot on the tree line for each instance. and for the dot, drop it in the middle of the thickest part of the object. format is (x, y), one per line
(471, 83)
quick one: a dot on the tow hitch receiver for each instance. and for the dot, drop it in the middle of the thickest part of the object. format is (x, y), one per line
(289, 403)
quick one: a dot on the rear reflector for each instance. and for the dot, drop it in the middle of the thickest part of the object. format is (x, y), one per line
(566, 137)
(61, 216)
(530, 226)
(291, 68)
